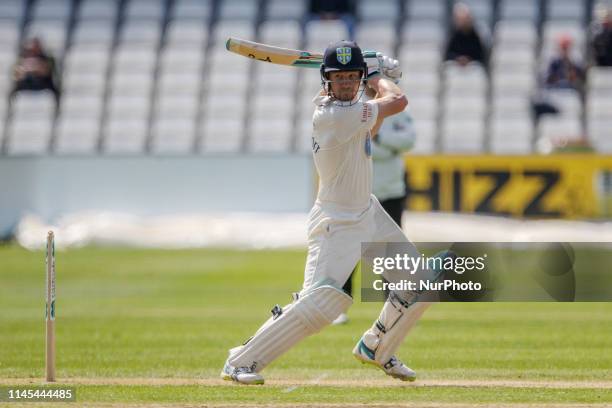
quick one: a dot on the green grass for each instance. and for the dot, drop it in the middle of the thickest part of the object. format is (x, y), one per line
(153, 313)
(285, 395)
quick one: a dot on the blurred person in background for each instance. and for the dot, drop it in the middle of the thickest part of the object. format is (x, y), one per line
(465, 44)
(563, 71)
(601, 40)
(35, 70)
(396, 136)
(343, 10)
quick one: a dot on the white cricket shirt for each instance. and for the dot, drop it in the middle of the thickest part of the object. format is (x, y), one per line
(341, 146)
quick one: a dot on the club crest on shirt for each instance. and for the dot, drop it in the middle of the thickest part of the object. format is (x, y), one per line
(343, 55)
(368, 145)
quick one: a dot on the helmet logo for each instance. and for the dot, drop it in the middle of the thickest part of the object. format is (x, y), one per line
(343, 55)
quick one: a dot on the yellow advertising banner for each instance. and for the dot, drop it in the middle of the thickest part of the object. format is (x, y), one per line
(559, 186)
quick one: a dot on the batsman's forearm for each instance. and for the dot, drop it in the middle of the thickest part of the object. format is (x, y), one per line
(389, 92)
(386, 87)
(389, 98)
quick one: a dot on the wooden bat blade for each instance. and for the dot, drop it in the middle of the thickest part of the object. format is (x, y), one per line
(278, 55)
(272, 54)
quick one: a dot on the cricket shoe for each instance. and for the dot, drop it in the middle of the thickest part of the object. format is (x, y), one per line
(342, 319)
(394, 367)
(242, 375)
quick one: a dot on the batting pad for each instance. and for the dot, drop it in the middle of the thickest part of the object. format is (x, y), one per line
(310, 313)
(393, 325)
(401, 310)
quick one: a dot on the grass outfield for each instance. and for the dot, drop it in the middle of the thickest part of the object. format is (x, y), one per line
(144, 326)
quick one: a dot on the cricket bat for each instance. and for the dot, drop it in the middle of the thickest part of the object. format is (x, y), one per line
(279, 55)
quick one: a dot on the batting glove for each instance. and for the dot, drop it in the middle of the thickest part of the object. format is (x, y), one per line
(389, 67)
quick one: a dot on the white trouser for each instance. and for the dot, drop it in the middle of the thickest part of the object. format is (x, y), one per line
(335, 237)
(334, 248)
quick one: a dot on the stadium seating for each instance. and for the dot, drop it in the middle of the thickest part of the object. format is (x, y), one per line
(386, 10)
(197, 10)
(425, 9)
(378, 35)
(285, 10)
(221, 135)
(154, 75)
(32, 124)
(173, 135)
(98, 10)
(77, 135)
(599, 108)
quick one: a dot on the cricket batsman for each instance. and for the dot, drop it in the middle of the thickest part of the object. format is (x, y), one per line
(344, 215)
(395, 137)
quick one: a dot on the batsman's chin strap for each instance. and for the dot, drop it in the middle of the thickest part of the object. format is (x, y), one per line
(338, 102)
(354, 101)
